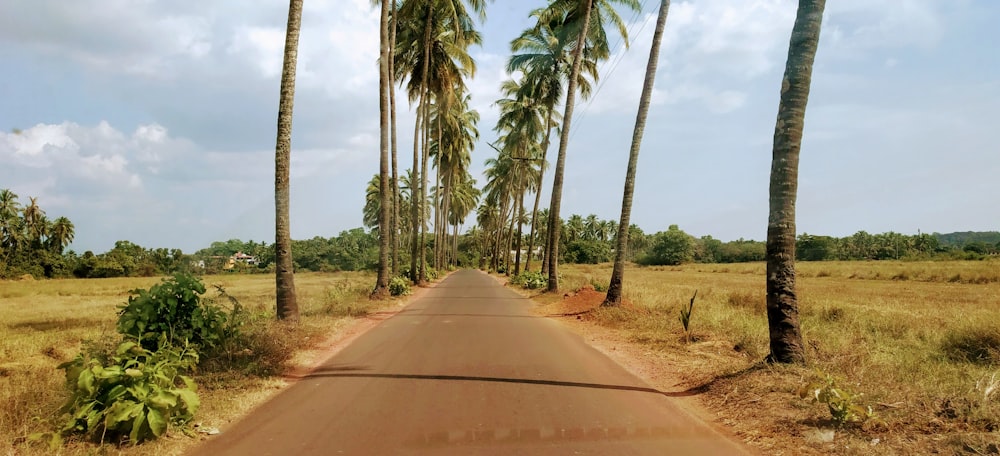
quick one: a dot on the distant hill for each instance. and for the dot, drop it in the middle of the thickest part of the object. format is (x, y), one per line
(962, 238)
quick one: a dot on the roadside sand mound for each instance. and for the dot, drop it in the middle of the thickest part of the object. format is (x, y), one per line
(583, 300)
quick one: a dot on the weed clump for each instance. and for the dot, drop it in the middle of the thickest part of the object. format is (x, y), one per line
(843, 404)
(977, 344)
(748, 300)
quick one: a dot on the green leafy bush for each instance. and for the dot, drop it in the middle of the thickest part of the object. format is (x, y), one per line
(132, 397)
(671, 247)
(530, 280)
(174, 309)
(399, 286)
(587, 252)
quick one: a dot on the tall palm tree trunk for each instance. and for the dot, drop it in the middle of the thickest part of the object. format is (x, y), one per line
(454, 246)
(557, 182)
(415, 194)
(395, 175)
(547, 247)
(445, 207)
(614, 296)
(782, 304)
(385, 210)
(418, 203)
(438, 200)
(538, 191)
(509, 240)
(286, 305)
(517, 240)
(423, 195)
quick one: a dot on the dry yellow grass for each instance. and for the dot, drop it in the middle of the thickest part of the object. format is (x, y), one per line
(43, 323)
(903, 343)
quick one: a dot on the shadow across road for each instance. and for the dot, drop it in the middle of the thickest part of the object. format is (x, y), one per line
(352, 372)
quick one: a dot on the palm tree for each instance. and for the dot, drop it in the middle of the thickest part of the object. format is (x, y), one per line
(575, 228)
(782, 303)
(392, 110)
(385, 235)
(614, 296)
(456, 133)
(60, 234)
(372, 212)
(464, 198)
(10, 211)
(287, 307)
(433, 41)
(500, 180)
(594, 14)
(408, 195)
(542, 54)
(521, 124)
(35, 224)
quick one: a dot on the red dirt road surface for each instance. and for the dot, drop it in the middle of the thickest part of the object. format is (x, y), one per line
(467, 369)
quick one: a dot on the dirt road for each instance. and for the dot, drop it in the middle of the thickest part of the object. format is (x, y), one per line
(467, 369)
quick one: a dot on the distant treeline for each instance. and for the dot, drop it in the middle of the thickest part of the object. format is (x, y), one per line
(675, 247)
(592, 240)
(357, 249)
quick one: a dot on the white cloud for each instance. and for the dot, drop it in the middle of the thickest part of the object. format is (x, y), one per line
(190, 91)
(261, 46)
(861, 26)
(710, 48)
(158, 189)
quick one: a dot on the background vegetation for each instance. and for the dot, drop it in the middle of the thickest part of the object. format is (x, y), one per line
(32, 245)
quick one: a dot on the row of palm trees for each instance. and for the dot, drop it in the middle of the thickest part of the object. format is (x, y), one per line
(426, 50)
(424, 44)
(569, 37)
(25, 229)
(552, 60)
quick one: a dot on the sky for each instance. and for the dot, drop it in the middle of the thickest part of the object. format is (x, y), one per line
(155, 122)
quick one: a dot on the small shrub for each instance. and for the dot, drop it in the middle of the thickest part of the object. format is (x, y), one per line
(399, 286)
(841, 402)
(599, 286)
(530, 280)
(978, 344)
(174, 309)
(134, 397)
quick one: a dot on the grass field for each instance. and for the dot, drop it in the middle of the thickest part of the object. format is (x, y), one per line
(921, 341)
(43, 323)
